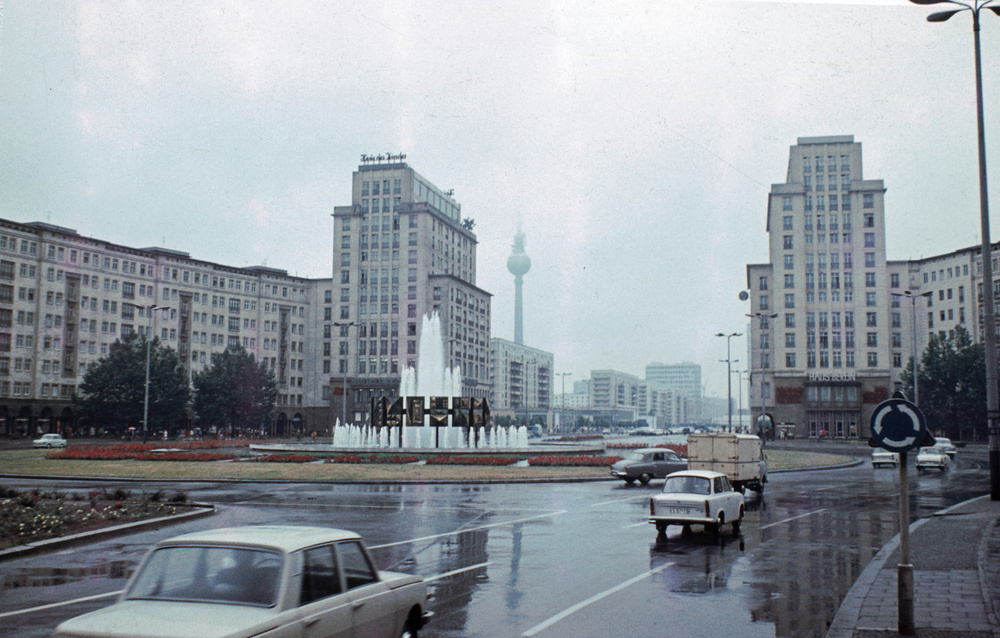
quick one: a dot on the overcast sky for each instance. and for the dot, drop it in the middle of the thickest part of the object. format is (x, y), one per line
(634, 142)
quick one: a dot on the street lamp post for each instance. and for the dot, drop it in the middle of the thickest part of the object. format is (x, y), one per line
(912, 296)
(343, 390)
(765, 319)
(149, 330)
(564, 375)
(729, 375)
(989, 319)
(739, 378)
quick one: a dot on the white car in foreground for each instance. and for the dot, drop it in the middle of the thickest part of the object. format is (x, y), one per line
(49, 440)
(932, 457)
(696, 497)
(274, 581)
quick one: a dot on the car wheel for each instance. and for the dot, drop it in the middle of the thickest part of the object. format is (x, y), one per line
(738, 522)
(645, 478)
(409, 629)
(717, 525)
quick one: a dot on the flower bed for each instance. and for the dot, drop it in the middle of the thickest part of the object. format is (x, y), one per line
(132, 451)
(283, 458)
(472, 460)
(26, 517)
(581, 460)
(372, 458)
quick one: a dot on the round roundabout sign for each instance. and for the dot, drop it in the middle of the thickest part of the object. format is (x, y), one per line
(898, 425)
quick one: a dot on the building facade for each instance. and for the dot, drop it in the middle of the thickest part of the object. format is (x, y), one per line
(521, 377)
(401, 250)
(65, 298)
(827, 339)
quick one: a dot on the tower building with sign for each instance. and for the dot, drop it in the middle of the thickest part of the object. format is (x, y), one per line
(402, 250)
(828, 338)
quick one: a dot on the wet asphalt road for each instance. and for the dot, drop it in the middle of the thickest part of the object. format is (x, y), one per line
(556, 559)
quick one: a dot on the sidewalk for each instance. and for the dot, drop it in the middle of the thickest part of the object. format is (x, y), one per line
(956, 577)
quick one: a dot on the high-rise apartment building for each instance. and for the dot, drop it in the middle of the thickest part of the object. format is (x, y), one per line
(826, 339)
(521, 377)
(682, 376)
(401, 250)
(66, 298)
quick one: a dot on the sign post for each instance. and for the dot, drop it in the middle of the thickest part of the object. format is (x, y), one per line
(899, 426)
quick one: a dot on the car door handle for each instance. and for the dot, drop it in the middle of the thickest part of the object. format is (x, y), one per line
(357, 603)
(309, 622)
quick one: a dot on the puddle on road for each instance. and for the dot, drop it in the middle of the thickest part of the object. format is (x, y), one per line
(51, 576)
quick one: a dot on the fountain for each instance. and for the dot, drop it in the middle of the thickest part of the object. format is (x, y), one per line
(432, 378)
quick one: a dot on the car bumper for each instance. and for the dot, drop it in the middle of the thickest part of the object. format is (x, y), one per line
(681, 520)
(937, 466)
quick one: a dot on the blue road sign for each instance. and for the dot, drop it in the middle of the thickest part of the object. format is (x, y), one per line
(898, 425)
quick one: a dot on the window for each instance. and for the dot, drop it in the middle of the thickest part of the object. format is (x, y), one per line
(869, 240)
(764, 302)
(868, 200)
(787, 242)
(869, 219)
(786, 204)
(789, 359)
(869, 280)
(870, 300)
(894, 280)
(789, 281)
(789, 339)
(789, 319)
(871, 319)
(872, 340)
(789, 301)
(872, 359)
(320, 577)
(789, 262)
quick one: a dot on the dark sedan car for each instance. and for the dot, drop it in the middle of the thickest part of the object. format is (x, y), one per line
(646, 464)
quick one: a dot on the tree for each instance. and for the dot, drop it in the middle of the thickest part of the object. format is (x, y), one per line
(235, 392)
(952, 385)
(112, 392)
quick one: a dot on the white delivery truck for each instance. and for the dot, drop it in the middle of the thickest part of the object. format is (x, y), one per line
(739, 456)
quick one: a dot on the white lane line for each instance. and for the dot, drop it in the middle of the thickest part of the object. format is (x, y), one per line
(593, 599)
(429, 579)
(620, 500)
(62, 604)
(636, 525)
(470, 529)
(792, 518)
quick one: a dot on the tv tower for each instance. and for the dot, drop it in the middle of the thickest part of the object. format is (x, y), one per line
(518, 264)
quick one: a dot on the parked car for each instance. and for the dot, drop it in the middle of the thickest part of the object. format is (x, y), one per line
(49, 440)
(884, 457)
(933, 457)
(946, 445)
(646, 464)
(696, 497)
(278, 581)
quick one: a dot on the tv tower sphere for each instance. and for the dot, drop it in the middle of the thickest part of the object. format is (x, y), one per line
(518, 264)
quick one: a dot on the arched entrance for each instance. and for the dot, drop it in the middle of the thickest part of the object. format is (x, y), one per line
(46, 424)
(23, 423)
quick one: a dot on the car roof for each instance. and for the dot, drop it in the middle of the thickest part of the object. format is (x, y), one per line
(645, 450)
(286, 538)
(709, 474)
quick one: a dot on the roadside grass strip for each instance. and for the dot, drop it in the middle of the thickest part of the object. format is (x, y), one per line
(593, 599)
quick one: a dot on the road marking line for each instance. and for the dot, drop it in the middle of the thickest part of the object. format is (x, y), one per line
(620, 500)
(428, 579)
(62, 604)
(470, 529)
(636, 525)
(763, 527)
(593, 599)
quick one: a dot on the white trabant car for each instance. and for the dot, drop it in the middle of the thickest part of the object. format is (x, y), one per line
(696, 497)
(49, 440)
(932, 457)
(268, 581)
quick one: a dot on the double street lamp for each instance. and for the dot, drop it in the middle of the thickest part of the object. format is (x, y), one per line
(913, 296)
(765, 319)
(346, 325)
(989, 319)
(729, 375)
(149, 342)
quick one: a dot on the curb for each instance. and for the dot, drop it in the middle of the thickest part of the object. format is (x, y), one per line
(846, 619)
(201, 509)
(564, 479)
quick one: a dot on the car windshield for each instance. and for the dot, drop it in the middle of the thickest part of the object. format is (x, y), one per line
(209, 574)
(687, 485)
(933, 450)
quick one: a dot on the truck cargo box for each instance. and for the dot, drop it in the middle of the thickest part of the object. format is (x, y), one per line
(738, 456)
